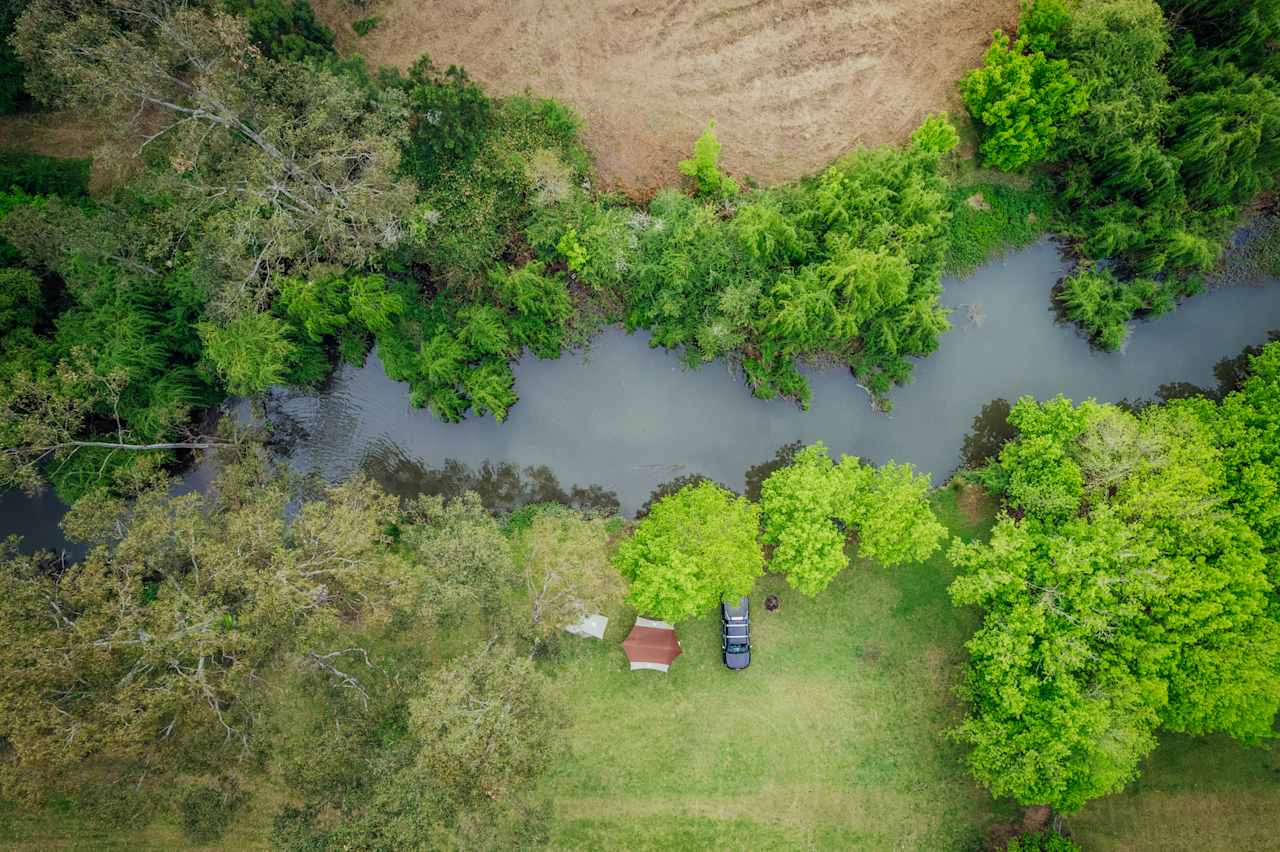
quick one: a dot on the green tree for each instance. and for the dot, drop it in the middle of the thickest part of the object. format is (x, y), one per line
(564, 558)
(695, 548)
(704, 166)
(285, 30)
(449, 116)
(1226, 135)
(812, 505)
(280, 166)
(251, 353)
(461, 551)
(1152, 610)
(1021, 99)
(147, 658)
(1246, 429)
(477, 735)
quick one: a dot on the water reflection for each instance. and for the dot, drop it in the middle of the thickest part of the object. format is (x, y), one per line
(989, 432)
(503, 486)
(634, 417)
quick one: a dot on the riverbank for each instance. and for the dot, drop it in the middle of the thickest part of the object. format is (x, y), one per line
(623, 418)
(703, 755)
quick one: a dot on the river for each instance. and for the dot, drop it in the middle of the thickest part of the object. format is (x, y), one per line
(625, 418)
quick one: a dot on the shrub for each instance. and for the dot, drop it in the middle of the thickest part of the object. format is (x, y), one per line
(1020, 98)
(1226, 136)
(285, 30)
(1043, 841)
(205, 811)
(704, 168)
(1103, 304)
(989, 217)
(364, 26)
(449, 118)
(251, 352)
(41, 175)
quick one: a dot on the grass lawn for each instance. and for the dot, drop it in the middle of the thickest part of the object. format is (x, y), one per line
(832, 739)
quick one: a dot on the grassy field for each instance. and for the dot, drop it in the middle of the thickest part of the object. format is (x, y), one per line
(833, 739)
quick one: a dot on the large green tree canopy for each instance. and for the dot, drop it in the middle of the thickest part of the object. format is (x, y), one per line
(812, 505)
(694, 548)
(1128, 590)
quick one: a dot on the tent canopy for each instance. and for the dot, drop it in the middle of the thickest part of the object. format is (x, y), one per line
(651, 645)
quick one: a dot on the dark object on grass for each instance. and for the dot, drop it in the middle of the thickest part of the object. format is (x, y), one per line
(772, 603)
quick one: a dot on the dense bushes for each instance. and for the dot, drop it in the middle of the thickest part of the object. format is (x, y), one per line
(12, 96)
(449, 116)
(285, 29)
(41, 175)
(1128, 588)
(1104, 305)
(1021, 99)
(987, 218)
(842, 267)
(1179, 131)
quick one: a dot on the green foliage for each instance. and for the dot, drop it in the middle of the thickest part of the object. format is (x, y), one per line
(845, 266)
(998, 217)
(456, 354)
(1040, 24)
(1225, 134)
(704, 167)
(539, 305)
(448, 120)
(12, 96)
(1243, 32)
(572, 250)
(1247, 430)
(1178, 133)
(41, 175)
(213, 586)
(348, 308)
(478, 734)
(207, 811)
(1041, 841)
(1150, 607)
(1021, 99)
(251, 353)
(21, 301)
(805, 506)
(695, 548)
(812, 505)
(471, 213)
(1103, 304)
(138, 381)
(285, 29)
(363, 26)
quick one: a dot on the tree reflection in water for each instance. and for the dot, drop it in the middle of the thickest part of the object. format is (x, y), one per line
(503, 486)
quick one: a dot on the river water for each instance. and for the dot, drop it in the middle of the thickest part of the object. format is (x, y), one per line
(624, 418)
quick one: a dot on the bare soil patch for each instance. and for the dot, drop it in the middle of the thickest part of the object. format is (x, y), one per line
(792, 84)
(69, 134)
(974, 503)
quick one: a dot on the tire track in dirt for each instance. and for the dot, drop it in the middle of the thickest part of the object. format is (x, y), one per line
(792, 84)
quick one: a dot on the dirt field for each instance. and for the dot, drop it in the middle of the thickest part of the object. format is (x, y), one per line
(792, 84)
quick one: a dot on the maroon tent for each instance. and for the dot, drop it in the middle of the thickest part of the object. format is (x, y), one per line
(651, 645)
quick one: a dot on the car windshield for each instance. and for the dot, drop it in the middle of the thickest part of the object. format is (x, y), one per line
(737, 649)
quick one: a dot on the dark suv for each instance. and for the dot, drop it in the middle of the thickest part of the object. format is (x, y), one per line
(735, 638)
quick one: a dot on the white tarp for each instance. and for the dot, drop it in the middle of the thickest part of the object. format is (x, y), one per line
(657, 667)
(590, 625)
